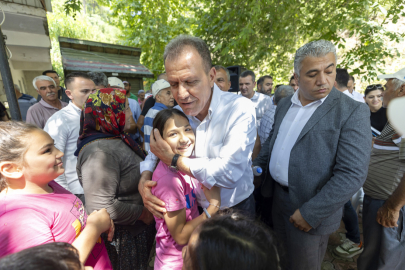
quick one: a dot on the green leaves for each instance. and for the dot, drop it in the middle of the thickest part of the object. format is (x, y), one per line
(71, 7)
(262, 35)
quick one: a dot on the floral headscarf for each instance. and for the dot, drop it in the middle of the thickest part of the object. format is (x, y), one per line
(103, 117)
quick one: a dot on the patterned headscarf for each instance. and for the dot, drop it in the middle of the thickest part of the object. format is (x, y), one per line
(103, 117)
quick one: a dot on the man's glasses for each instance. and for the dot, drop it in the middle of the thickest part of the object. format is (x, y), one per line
(375, 86)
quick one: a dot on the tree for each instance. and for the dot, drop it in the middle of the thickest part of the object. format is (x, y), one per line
(150, 25)
(80, 26)
(264, 34)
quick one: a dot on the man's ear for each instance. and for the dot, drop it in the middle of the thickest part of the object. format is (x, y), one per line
(401, 92)
(335, 84)
(11, 170)
(69, 93)
(212, 74)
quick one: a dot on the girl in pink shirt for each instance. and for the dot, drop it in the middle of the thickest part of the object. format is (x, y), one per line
(35, 210)
(177, 190)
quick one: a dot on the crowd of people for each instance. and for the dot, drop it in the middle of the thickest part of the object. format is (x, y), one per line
(95, 176)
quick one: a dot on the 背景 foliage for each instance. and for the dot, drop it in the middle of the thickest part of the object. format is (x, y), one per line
(263, 35)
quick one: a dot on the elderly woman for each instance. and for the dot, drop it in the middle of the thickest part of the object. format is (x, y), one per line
(108, 169)
(378, 116)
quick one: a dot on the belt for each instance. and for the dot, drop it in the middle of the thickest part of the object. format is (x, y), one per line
(285, 188)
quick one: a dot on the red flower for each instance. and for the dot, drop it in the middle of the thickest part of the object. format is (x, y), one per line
(88, 110)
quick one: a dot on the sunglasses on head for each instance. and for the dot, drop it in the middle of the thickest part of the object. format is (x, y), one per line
(372, 86)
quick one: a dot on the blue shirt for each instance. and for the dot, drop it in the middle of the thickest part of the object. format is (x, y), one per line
(25, 102)
(136, 112)
(148, 122)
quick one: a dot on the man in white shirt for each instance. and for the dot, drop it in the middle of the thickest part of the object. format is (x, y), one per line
(224, 124)
(261, 102)
(349, 88)
(265, 85)
(64, 126)
(315, 159)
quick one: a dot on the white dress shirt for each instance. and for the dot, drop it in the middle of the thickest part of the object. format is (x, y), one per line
(294, 121)
(223, 148)
(262, 103)
(355, 95)
(64, 128)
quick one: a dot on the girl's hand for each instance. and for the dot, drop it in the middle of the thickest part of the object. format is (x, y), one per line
(101, 221)
(213, 195)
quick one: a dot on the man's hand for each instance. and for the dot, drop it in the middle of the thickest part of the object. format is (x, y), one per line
(160, 148)
(299, 222)
(152, 203)
(146, 216)
(387, 216)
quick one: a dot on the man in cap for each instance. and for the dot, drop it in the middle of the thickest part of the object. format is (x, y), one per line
(384, 199)
(164, 99)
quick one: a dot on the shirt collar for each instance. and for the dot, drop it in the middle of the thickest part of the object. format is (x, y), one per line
(160, 106)
(46, 105)
(75, 108)
(296, 101)
(216, 96)
(255, 96)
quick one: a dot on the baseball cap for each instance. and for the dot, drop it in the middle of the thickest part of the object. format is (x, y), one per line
(114, 81)
(140, 92)
(125, 82)
(158, 86)
(400, 75)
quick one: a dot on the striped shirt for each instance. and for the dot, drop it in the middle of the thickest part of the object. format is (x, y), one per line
(387, 164)
(148, 122)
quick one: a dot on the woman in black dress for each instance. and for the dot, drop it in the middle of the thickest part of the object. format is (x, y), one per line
(378, 117)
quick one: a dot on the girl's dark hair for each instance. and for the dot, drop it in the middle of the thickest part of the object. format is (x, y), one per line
(13, 143)
(164, 115)
(57, 255)
(232, 241)
(370, 89)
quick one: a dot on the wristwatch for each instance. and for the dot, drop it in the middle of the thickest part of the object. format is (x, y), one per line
(173, 166)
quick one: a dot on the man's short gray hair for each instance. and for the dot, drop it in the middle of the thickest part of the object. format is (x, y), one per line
(17, 87)
(177, 45)
(42, 78)
(397, 83)
(283, 91)
(99, 78)
(317, 48)
(219, 67)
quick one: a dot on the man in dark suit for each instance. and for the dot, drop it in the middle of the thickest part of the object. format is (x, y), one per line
(316, 157)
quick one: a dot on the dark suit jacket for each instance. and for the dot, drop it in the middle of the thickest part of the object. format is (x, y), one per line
(329, 161)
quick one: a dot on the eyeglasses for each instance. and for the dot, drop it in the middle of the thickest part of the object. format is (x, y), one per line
(372, 86)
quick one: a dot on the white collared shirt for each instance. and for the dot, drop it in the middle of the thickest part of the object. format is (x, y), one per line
(64, 127)
(262, 103)
(294, 121)
(223, 148)
(355, 95)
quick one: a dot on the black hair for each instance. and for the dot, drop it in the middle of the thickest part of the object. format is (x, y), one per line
(161, 118)
(99, 78)
(342, 77)
(373, 88)
(49, 71)
(232, 241)
(71, 77)
(263, 78)
(292, 77)
(56, 255)
(246, 73)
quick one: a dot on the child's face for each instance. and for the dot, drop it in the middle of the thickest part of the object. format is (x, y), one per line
(179, 135)
(43, 161)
